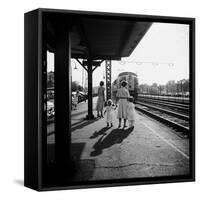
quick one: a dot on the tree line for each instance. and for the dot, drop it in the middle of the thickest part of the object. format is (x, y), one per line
(50, 82)
(76, 86)
(175, 88)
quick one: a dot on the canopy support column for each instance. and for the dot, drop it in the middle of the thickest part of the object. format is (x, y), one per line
(62, 95)
(91, 66)
(90, 95)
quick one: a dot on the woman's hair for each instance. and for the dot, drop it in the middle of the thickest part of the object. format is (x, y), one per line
(109, 102)
(123, 83)
(101, 83)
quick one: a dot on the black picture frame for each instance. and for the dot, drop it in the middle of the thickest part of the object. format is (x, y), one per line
(36, 173)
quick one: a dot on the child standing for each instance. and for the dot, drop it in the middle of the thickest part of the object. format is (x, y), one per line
(109, 112)
(131, 112)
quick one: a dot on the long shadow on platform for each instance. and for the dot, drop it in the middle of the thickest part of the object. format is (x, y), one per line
(100, 132)
(116, 136)
(75, 126)
(85, 123)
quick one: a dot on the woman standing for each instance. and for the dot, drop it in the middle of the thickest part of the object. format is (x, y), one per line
(101, 99)
(122, 95)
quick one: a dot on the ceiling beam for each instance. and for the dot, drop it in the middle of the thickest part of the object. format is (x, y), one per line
(100, 57)
(81, 64)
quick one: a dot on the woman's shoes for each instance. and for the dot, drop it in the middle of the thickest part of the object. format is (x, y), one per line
(124, 127)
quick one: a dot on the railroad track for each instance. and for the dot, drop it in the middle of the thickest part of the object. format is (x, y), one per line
(178, 104)
(173, 119)
(176, 108)
(166, 99)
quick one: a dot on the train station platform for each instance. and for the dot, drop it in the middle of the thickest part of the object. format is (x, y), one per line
(151, 149)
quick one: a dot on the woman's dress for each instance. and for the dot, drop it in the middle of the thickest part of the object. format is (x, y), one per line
(122, 95)
(100, 100)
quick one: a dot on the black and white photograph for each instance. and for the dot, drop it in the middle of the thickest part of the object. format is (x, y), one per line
(117, 99)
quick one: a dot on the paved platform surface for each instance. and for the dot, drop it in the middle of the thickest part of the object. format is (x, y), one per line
(147, 151)
(150, 150)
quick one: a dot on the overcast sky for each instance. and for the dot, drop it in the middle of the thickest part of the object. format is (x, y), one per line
(162, 55)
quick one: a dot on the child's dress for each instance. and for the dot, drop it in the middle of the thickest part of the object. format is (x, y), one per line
(131, 113)
(109, 114)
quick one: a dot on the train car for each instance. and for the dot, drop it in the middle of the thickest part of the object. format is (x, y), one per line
(132, 86)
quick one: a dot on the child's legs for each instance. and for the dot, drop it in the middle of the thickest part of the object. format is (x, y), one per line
(111, 121)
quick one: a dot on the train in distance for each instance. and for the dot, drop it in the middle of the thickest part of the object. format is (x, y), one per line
(133, 85)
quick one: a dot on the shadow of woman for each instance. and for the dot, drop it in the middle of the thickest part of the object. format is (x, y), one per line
(82, 124)
(100, 132)
(116, 136)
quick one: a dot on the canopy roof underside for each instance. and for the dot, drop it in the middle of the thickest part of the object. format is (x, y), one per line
(95, 38)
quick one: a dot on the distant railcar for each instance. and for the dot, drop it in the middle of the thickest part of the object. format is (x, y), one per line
(132, 86)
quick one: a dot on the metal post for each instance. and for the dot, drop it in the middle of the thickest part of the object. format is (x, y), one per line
(90, 97)
(108, 79)
(62, 95)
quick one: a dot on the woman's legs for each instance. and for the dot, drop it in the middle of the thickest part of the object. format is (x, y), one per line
(124, 123)
(119, 122)
(102, 113)
(97, 107)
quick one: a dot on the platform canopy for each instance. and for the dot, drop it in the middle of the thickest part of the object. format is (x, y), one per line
(106, 39)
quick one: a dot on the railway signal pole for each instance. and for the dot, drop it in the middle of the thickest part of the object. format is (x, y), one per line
(108, 79)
